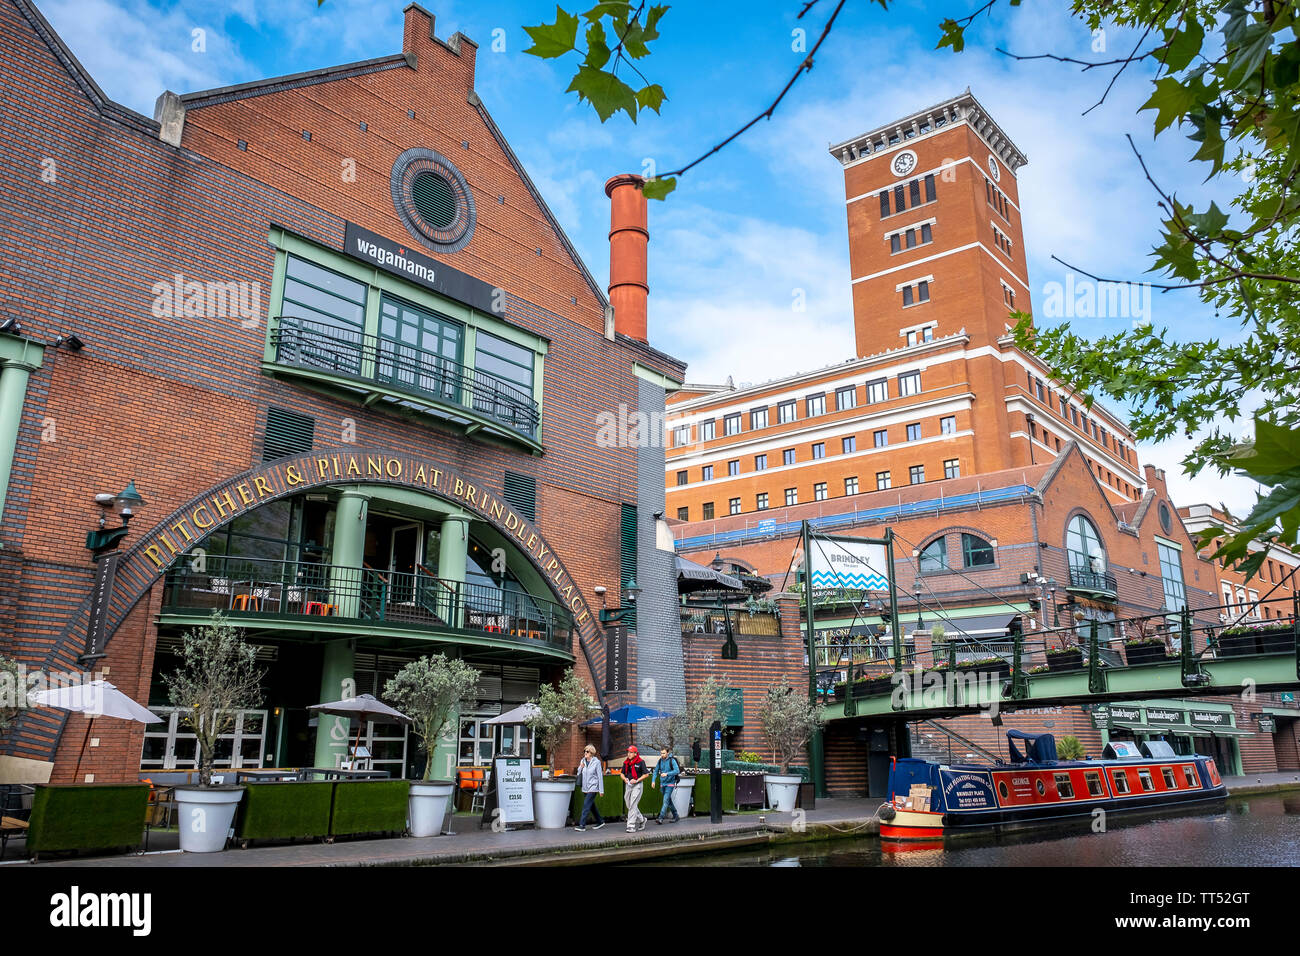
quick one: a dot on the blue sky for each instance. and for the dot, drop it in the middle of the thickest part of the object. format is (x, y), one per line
(762, 224)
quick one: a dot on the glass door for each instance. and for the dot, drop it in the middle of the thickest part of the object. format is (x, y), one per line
(171, 746)
(403, 559)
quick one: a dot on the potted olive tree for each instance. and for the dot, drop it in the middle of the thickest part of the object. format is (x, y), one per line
(12, 692)
(429, 690)
(217, 678)
(788, 720)
(559, 710)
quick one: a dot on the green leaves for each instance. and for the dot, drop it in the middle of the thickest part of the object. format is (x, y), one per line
(658, 188)
(555, 39)
(614, 30)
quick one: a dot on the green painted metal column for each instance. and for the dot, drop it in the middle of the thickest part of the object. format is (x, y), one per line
(13, 392)
(338, 677)
(453, 549)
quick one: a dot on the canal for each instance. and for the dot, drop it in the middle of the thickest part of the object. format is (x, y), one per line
(1251, 831)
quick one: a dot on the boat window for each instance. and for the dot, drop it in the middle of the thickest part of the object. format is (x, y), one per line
(1147, 782)
(1190, 777)
(1063, 786)
(1002, 788)
(1094, 783)
(1121, 781)
(1168, 773)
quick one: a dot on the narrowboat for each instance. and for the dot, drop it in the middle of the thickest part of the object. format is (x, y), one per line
(929, 800)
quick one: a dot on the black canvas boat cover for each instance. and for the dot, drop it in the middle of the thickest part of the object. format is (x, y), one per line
(1040, 748)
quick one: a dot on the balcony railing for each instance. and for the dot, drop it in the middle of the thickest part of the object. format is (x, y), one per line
(299, 591)
(1095, 582)
(403, 369)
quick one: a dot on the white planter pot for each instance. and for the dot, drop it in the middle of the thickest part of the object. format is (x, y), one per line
(782, 791)
(205, 817)
(551, 800)
(428, 805)
(682, 795)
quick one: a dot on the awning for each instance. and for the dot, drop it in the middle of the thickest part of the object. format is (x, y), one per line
(692, 577)
(993, 625)
(1195, 731)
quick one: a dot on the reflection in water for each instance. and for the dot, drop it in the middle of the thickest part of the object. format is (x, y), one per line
(1251, 831)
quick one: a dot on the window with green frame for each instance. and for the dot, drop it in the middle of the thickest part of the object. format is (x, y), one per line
(322, 318)
(1171, 576)
(976, 552)
(509, 368)
(419, 349)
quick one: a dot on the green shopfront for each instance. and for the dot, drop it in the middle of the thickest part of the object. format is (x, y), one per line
(1189, 726)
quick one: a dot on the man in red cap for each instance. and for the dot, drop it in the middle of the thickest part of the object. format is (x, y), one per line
(634, 773)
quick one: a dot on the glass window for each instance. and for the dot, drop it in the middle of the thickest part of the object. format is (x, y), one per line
(907, 295)
(734, 506)
(785, 412)
(934, 556)
(850, 486)
(819, 491)
(909, 383)
(758, 418)
(792, 496)
(878, 390)
(923, 291)
(1083, 547)
(707, 473)
(683, 514)
(914, 432)
(681, 478)
(707, 509)
(815, 405)
(914, 192)
(1168, 774)
(760, 462)
(882, 480)
(819, 450)
(926, 234)
(1189, 776)
(880, 438)
(762, 501)
(1121, 781)
(849, 444)
(911, 238)
(894, 244)
(1144, 776)
(1064, 788)
(681, 435)
(787, 457)
(846, 398)
(733, 468)
(976, 552)
(731, 424)
(884, 203)
(1171, 574)
(326, 301)
(917, 474)
(948, 425)
(900, 199)
(952, 468)
(707, 430)
(929, 188)
(506, 362)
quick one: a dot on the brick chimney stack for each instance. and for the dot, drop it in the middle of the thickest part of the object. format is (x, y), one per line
(629, 238)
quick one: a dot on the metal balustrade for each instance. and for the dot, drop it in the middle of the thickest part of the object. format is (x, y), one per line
(262, 588)
(1095, 582)
(403, 369)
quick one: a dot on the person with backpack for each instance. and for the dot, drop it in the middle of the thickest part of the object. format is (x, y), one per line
(592, 776)
(634, 773)
(668, 769)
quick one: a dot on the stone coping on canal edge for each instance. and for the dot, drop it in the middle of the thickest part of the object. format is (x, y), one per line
(470, 845)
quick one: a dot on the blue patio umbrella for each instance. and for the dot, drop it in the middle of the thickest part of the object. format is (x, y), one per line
(631, 714)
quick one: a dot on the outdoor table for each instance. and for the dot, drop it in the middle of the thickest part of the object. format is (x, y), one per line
(337, 773)
(256, 775)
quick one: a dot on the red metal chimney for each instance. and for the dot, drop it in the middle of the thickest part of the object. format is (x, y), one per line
(629, 285)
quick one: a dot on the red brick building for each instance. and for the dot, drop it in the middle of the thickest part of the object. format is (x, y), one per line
(330, 330)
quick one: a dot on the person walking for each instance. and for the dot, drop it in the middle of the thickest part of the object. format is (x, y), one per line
(668, 769)
(634, 773)
(592, 776)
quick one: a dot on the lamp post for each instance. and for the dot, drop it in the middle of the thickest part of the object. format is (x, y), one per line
(125, 505)
(102, 543)
(920, 625)
(1051, 592)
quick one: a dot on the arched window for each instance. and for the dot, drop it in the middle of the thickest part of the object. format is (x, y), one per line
(976, 552)
(934, 556)
(1083, 546)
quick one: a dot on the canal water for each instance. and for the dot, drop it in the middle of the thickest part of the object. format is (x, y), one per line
(1260, 830)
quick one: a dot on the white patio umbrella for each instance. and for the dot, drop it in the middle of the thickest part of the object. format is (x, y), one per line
(98, 698)
(520, 715)
(364, 707)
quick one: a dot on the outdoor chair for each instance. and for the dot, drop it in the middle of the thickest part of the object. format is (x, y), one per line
(478, 802)
(15, 810)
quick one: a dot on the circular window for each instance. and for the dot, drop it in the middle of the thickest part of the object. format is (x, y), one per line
(1166, 519)
(903, 163)
(994, 169)
(1042, 789)
(1002, 788)
(433, 200)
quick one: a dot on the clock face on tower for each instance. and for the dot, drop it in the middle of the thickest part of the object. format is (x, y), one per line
(994, 169)
(903, 163)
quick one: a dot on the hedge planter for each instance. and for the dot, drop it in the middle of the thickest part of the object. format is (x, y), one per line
(703, 796)
(285, 811)
(999, 668)
(1070, 660)
(369, 806)
(427, 806)
(96, 816)
(782, 791)
(1276, 642)
(205, 815)
(1145, 653)
(1237, 645)
(551, 800)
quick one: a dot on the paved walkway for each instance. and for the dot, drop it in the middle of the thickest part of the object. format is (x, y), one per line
(1262, 782)
(469, 844)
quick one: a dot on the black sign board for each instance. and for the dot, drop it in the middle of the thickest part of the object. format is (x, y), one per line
(1166, 715)
(1203, 718)
(1267, 724)
(101, 593)
(402, 260)
(615, 658)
